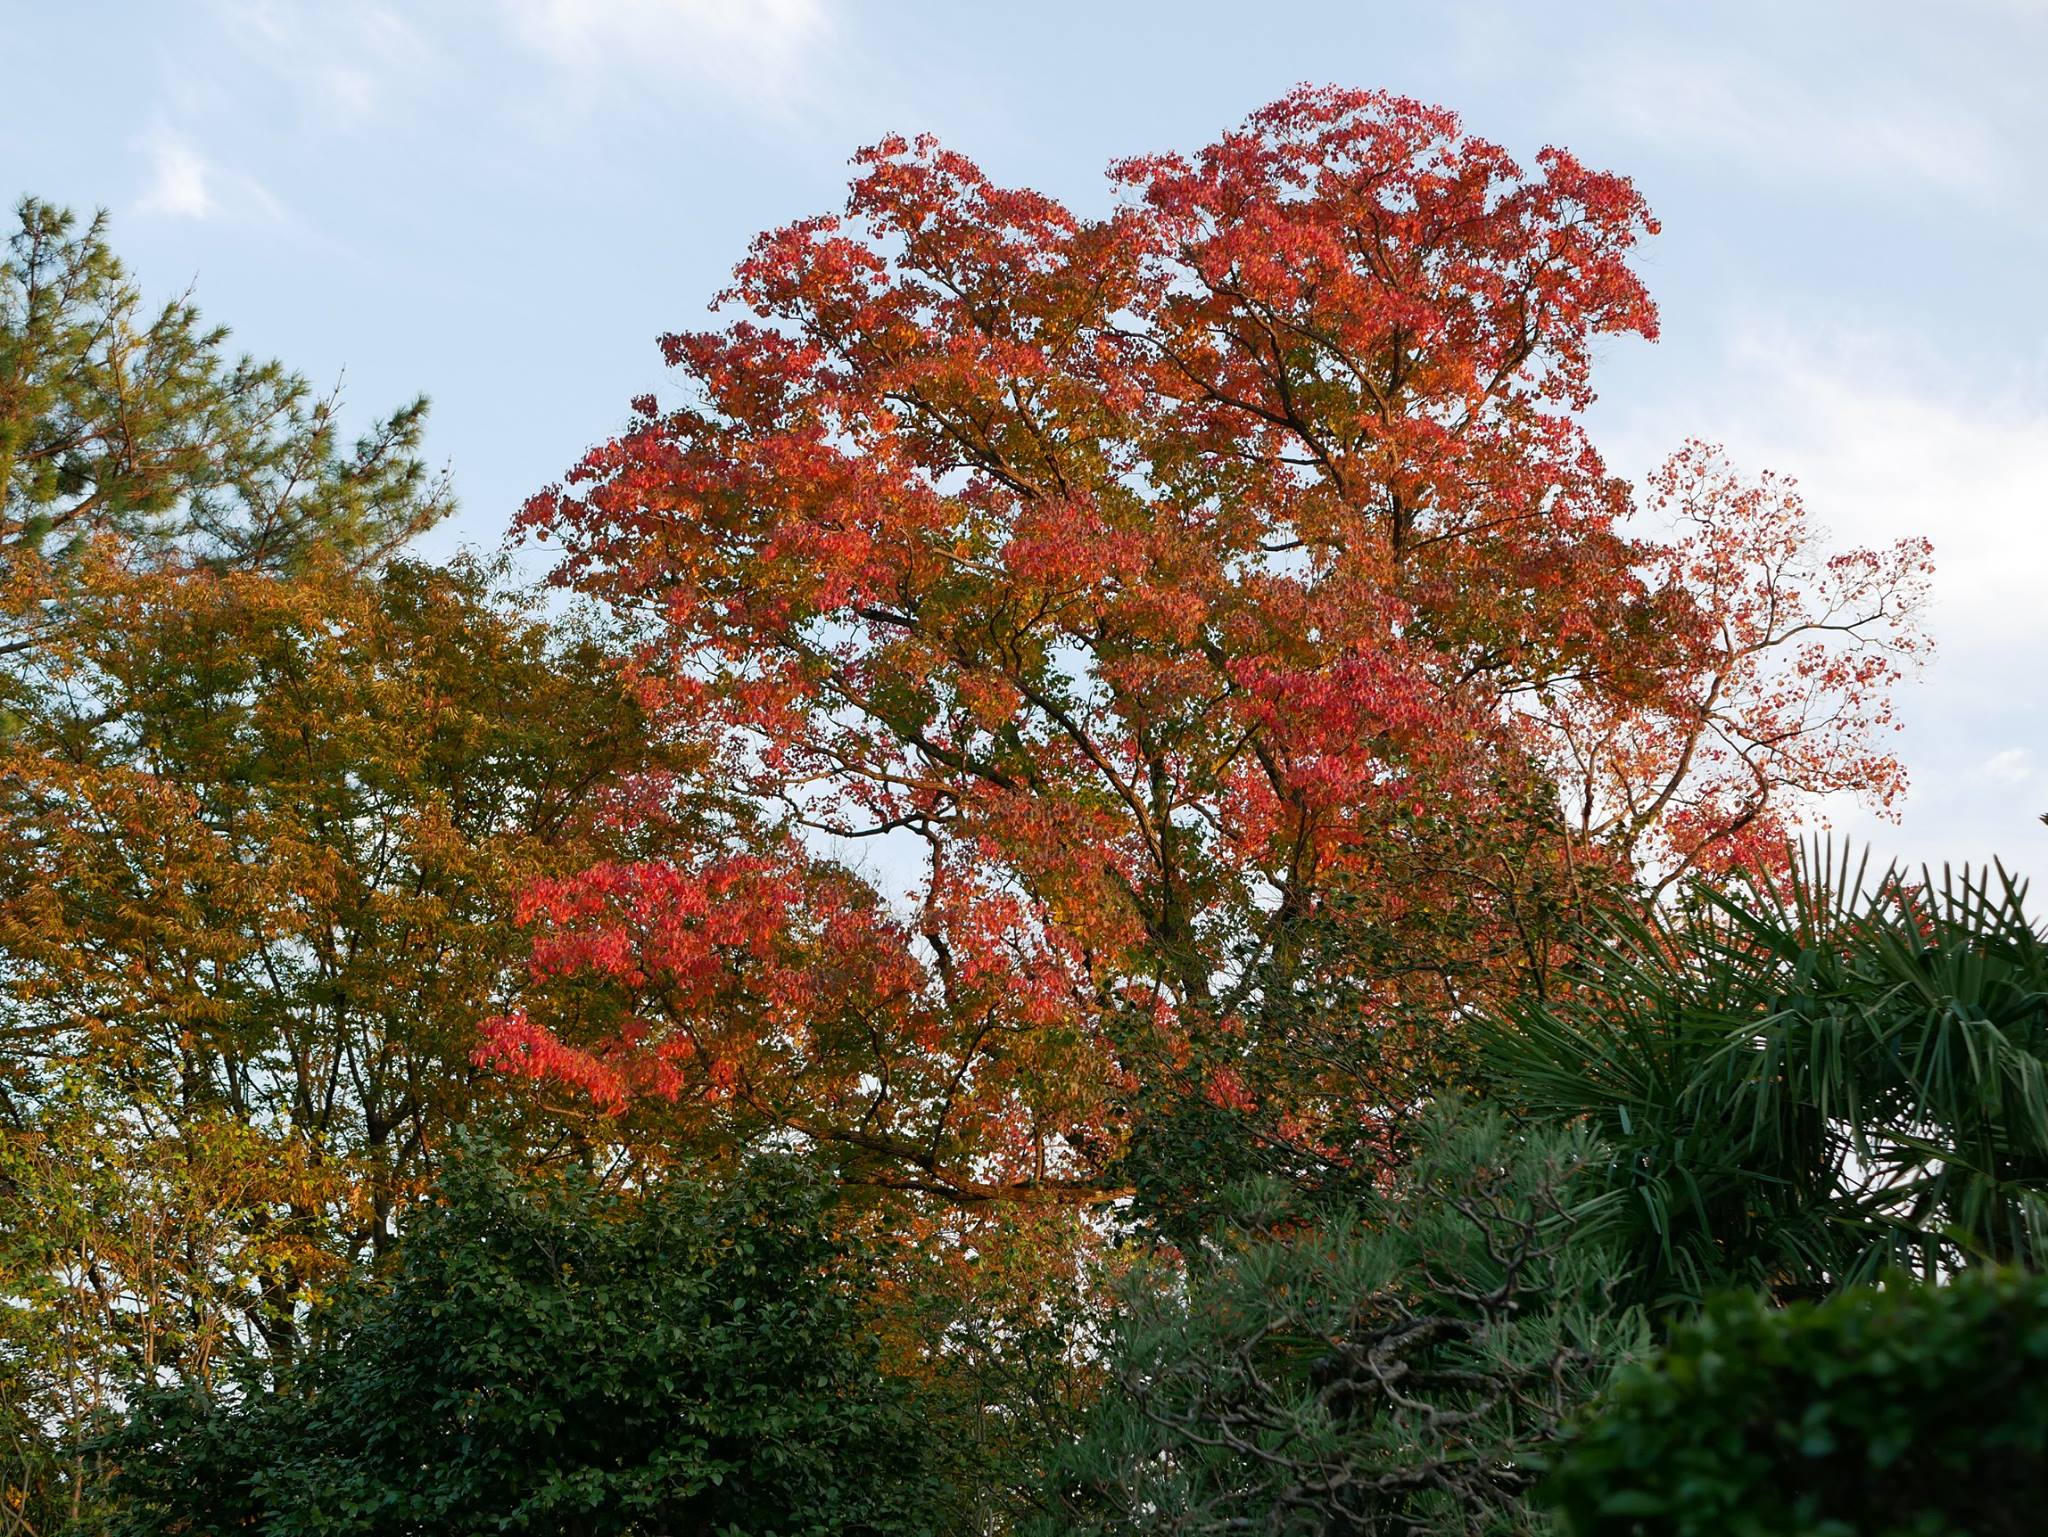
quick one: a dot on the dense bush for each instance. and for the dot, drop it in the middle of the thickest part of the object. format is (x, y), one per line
(555, 1359)
(1403, 1367)
(1903, 1411)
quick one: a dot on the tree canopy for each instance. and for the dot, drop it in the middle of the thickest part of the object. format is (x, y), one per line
(269, 793)
(116, 418)
(1148, 587)
(1123, 888)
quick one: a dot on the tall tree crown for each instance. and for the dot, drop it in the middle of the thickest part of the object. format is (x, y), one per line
(1161, 578)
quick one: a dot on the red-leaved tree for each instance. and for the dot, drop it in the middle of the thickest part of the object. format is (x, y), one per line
(1159, 592)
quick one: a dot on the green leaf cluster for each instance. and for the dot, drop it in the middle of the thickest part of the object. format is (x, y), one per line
(123, 420)
(1805, 1087)
(1902, 1410)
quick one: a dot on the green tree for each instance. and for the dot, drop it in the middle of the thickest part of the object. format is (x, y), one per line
(552, 1357)
(1401, 1366)
(119, 419)
(1902, 1411)
(269, 794)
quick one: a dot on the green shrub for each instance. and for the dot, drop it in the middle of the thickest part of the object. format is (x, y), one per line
(556, 1359)
(1903, 1411)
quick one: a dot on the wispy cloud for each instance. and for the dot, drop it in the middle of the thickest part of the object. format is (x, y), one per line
(179, 180)
(1893, 439)
(757, 51)
(1707, 106)
(2008, 766)
(343, 64)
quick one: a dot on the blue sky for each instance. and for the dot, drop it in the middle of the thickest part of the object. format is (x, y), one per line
(502, 202)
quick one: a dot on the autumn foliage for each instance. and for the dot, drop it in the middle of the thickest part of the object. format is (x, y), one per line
(1099, 606)
(267, 797)
(1126, 889)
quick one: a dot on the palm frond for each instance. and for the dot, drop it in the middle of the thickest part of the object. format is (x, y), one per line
(1807, 1080)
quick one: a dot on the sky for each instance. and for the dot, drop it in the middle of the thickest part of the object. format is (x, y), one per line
(502, 203)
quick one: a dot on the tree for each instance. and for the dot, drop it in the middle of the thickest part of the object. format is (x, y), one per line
(1807, 1084)
(263, 839)
(1405, 1366)
(1158, 590)
(117, 420)
(268, 794)
(555, 1357)
(156, 493)
(1901, 1411)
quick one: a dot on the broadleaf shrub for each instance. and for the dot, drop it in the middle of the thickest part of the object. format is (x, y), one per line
(1903, 1410)
(551, 1357)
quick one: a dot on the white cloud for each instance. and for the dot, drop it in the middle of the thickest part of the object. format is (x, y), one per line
(178, 181)
(342, 63)
(184, 184)
(1717, 107)
(1890, 438)
(755, 50)
(2008, 766)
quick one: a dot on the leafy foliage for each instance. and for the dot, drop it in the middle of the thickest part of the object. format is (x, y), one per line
(263, 839)
(998, 1314)
(1160, 582)
(1403, 1367)
(268, 797)
(552, 1358)
(1805, 1086)
(1901, 1411)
